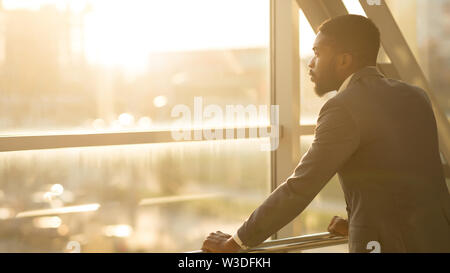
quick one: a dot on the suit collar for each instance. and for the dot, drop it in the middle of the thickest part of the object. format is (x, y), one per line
(364, 72)
(345, 83)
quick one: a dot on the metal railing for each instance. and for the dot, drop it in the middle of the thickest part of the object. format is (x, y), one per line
(297, 243)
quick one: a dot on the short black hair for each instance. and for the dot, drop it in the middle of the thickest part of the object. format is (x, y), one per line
(354, 34)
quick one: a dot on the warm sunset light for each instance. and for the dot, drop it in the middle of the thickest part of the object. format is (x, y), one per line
(122, 33)
(118, 231)
(192, 126)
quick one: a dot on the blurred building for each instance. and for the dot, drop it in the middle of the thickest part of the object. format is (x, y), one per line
(64, 71)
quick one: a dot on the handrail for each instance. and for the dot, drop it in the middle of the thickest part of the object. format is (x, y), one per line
(71, 139)
(303, 242)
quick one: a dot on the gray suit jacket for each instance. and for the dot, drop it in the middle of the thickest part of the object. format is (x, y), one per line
(379, 135)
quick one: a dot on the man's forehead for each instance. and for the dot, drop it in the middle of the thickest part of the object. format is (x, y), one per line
(322, 41)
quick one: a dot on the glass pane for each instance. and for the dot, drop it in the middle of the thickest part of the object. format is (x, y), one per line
(328, 203)
(354, 7)
(310, 103)
(123, 65)
(152, 198)
(426, 27)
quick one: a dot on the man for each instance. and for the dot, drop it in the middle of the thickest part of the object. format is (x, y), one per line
(380, 136)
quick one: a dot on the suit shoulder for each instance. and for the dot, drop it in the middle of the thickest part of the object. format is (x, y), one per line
(348, 93)
(334, 104)
(419, 91)
(342, 98)
(412, 91)
(392, 86)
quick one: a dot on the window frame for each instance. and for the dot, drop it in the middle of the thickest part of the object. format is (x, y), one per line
(284, 91)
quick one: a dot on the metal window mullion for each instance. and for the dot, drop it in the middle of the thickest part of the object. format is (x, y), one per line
(38, 142)
(285, 85)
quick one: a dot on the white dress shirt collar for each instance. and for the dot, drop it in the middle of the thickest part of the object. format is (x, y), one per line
(345, 83)
(349, 78)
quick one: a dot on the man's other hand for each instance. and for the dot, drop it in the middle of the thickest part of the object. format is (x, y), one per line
(220, 242)
(338, 226)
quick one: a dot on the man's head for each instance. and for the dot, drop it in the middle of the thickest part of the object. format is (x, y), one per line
(343, 45)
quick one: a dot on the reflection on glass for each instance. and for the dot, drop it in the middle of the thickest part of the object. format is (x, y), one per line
(84, 64)
(151, 198)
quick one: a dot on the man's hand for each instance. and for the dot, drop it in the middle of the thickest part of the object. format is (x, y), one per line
(220, 242)
(338, 226)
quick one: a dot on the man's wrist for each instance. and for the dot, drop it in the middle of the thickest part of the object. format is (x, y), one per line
(238, 241)
(232, 245)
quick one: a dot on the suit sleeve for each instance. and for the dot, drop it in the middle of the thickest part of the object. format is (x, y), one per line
(336, 139)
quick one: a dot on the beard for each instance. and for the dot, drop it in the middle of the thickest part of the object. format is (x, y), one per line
(327, 82)
(321, 90)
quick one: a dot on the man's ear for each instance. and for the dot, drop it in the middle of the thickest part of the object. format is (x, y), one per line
(345, 60)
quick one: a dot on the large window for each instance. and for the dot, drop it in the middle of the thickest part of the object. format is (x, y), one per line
(79, 70)
(149, 197)
(330, 201)
(88, 90)
(123, 65)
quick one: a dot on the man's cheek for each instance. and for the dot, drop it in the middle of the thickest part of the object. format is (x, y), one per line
(319, 66)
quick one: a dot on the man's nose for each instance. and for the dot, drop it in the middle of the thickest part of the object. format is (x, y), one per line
(311, 62)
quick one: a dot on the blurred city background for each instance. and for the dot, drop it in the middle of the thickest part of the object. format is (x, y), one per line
(93, 66)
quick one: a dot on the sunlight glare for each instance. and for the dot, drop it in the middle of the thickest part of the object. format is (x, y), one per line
(123, 33)
(307, 36)
(354, 7)
(126, 32)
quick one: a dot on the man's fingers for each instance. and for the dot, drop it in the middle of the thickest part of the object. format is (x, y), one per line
(204, 247)
(332, 228)
(339, 227)
(223, 234)
(332, 221)
(213, 240)
(329, 226)
(205, 250)
(214, 234)
(219, 235)
(216, 242)
(335, 220)
(208, 245)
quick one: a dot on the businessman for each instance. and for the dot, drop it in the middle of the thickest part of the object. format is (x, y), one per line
(379, 135)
